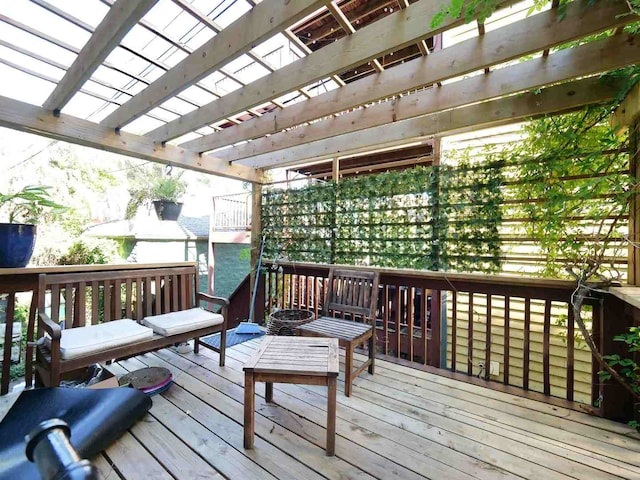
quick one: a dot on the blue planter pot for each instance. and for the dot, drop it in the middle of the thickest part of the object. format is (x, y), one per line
(16, 244)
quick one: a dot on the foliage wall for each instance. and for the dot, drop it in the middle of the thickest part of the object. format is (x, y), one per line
(433, 218)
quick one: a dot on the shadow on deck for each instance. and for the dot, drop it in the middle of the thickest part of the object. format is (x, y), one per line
(400, 423)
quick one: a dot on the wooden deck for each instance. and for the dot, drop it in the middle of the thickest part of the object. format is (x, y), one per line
(400, 423)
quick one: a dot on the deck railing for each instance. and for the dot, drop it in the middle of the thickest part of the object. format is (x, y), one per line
(232, 212)
(511, 331)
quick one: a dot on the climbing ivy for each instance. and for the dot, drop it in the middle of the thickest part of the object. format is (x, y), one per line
(483, 9)
(434, 218)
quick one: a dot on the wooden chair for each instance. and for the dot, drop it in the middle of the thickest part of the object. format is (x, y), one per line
(354, 294)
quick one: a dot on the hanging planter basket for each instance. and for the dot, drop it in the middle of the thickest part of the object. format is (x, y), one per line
(285, 322)
(167, 210)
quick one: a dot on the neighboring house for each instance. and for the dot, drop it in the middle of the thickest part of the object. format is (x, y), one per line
(149, 240)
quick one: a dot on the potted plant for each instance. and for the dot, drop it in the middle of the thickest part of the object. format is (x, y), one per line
(163, 192)
(22, 210)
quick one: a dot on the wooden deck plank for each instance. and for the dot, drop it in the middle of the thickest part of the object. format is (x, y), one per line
(222, 393)
(221, 435)
(590, 439)
(373, 384)
(313, 431)
(479, 391)
(218, 453)
(106, 471)
(133, 460)
(400, 423)
(412, 429)
(425, 464)
(174, 455)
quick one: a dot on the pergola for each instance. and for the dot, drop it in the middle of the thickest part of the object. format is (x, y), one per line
(389, 79)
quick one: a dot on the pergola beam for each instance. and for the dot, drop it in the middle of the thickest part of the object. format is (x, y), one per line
(390, 33)
(586, 60)
(33, 119)
(512, 41)
(555, 99)
(254, 27)
(122, 16)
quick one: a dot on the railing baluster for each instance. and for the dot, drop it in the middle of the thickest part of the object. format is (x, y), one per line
(291, 290)
(55, 303)
(268, 288)
(68, 306)
(487, 350)
(128, 295)
(166, 291)
(469, 336)
(525, 346)
(423, 324)
(174, 293)
(411, 294)
(81, 305)
(545, 348)
(95, 302)
(454, 330)
(385, 320)
(31, 336)
(507, 336)
(436, 320)
(398, 316)
(148, 300)
(597, 387)
(117, 300)
(316, 293)
(107, 301)
(158, 295)
(8, 335)
(570, 351)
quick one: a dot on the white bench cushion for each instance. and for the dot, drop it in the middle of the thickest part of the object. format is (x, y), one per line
(75, 342)
(182, 321)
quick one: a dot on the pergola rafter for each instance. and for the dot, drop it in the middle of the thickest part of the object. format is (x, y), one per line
(257, 25)
(390, 33)
(122, 16)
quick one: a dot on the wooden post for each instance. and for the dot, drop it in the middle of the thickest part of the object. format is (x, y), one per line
(256, 236)
(633, 273)
(628, 115)
(616, 318)
(336, 170)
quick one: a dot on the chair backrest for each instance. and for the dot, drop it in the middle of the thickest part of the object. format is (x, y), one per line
(353, 292)
(93, 297)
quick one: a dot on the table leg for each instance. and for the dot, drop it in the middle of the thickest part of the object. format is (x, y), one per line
(268, 392)
(331, 415)
(249, 407)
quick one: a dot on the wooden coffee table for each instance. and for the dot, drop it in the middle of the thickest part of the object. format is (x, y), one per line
(303, 360)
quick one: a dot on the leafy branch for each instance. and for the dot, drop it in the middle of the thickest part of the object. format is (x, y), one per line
(29, 204)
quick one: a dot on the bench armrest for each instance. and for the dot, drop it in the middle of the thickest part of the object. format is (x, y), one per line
(211, 299)
(49, 326)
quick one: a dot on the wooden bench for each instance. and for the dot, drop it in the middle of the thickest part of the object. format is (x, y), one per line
(92, 299)
(352, 294)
